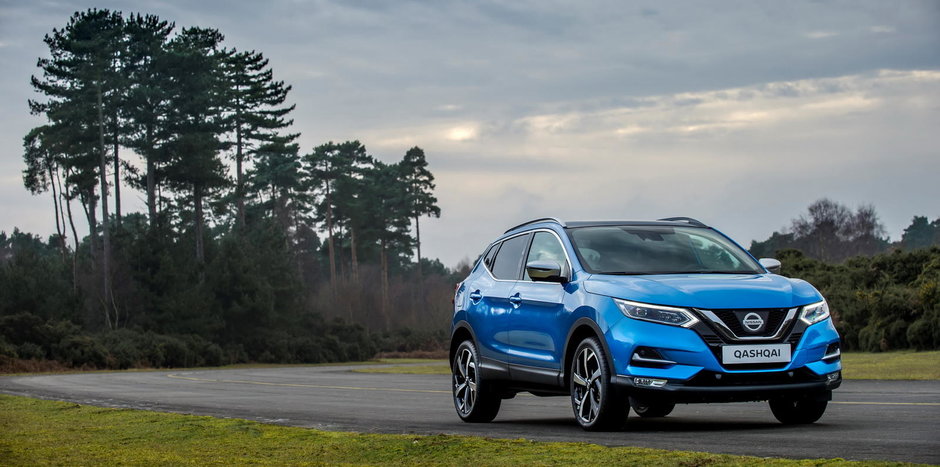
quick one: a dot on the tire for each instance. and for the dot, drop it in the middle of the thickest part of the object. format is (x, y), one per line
(475, 399)
(651, 409)
(597, 404)
(797, 412)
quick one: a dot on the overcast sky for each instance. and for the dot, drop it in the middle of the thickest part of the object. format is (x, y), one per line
(736, 113)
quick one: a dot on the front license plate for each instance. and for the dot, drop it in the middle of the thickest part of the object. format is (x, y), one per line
(774, 353)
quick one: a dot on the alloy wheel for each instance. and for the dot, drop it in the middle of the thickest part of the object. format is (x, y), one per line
(465, 381)
(587, 386)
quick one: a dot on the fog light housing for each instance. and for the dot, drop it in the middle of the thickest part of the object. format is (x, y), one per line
(833, 377)
(646, 356)
(833, 353)
(649, 382)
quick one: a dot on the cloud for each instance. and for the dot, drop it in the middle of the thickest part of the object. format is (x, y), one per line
(820, 34)
(746, 159)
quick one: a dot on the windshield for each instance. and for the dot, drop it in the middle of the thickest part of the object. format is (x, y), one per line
(659, 250)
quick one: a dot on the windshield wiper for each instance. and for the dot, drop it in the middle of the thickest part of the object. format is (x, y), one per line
(653, 273)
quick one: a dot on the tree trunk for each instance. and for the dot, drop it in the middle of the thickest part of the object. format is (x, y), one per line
(117, 174)
(151, 180)
(239, 177)
(385, 286)
(59, 220)
(353, 257)
(197, 200)
(418, 245)
(68, 206)
(329, 230)
(105, 228)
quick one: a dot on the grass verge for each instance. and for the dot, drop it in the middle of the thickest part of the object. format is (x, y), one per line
(46, 432)
(429, 367)
(903, 365)
(891, 365)
(36, 367)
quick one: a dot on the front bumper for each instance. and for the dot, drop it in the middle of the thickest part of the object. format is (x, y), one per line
(693, 371)
(709, 387)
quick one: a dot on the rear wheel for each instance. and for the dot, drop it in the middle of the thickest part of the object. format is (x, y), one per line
(596, 403)
(794, 412)
(474, 398)
(651, 409)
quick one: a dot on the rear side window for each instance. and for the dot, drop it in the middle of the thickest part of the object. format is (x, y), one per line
(489, 255)
(508, 262)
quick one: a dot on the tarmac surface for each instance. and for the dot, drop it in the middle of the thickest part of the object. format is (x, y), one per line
(868, 419)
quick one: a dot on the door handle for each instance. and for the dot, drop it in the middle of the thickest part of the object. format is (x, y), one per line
(516, 300)
(476, 296)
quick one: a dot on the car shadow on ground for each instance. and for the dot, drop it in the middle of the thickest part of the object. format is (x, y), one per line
(636, 424)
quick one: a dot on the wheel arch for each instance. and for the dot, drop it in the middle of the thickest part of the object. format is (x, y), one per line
(581, 329)
(462, 331)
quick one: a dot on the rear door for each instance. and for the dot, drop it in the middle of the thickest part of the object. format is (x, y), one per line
(490, 308)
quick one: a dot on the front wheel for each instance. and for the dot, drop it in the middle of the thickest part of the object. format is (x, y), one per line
(596, 403)
(474, 399)
(795, 412)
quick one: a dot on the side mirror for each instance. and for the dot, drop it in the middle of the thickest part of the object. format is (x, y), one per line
(770, 264)
(546, 271)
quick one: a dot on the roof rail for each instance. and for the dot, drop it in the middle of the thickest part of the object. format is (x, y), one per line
(690, 220)
(533, 221)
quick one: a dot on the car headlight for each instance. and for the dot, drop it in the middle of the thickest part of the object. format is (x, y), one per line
(815, 312)
(657, 313)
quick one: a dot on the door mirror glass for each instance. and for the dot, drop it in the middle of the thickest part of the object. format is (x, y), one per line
(770, 264)
(545, 271)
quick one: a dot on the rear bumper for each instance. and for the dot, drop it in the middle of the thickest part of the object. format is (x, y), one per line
(674, 391)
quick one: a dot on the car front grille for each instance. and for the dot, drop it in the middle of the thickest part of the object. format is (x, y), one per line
(732, 319)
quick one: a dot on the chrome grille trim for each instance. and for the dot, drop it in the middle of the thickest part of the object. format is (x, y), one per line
(730, 335)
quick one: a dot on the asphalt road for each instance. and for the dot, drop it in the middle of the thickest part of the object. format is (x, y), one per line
(880, 420)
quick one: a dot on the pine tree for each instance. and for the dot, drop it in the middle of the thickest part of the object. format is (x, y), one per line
(278, 176)
(419, 185)
(79, 80)
(146, 106)
(195, 122)
(256, 112)
(351, 204)
(333, 174)
(387, 216)
(41, 173)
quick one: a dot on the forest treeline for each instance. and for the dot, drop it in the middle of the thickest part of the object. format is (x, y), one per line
(884, 295)
(250, 249)
(253, 250)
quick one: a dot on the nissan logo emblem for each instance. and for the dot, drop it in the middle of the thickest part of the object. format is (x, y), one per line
(753, 322)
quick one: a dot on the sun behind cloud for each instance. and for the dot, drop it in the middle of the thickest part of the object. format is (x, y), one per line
(463, 133)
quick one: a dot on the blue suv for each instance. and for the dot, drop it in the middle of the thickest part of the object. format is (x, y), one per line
(621, 314)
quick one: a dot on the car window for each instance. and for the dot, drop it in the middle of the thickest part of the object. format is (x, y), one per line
(489, 255)
(545, 247)
(508, 260)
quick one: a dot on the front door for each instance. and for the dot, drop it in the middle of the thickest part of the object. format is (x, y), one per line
(538, 320)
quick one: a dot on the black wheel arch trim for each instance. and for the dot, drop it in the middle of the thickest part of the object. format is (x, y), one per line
(461, 325)
(563, 373)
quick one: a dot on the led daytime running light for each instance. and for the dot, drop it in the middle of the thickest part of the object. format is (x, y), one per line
(657, 313)
(815, 312)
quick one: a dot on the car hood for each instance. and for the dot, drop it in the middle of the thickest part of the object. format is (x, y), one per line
(713, 291)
